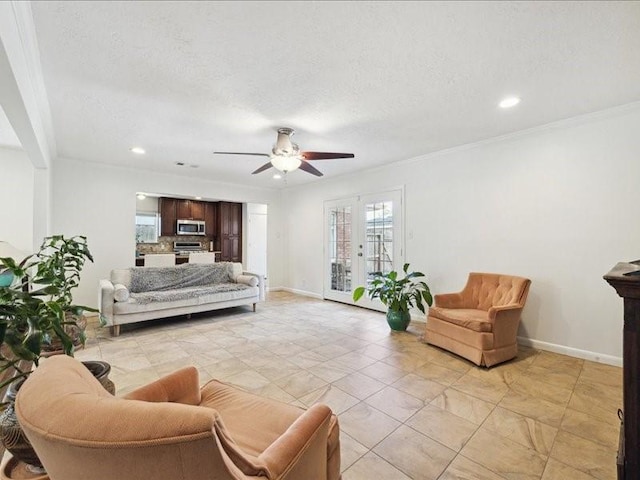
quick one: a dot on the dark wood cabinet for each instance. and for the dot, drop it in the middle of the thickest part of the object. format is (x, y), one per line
(625, 278)
(184, 210)
(223, 223)
(230, 231)
(190, 210)
(211, 219)
(168, 216)
(197, 210)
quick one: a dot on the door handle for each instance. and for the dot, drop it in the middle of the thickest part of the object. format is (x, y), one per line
(359, 254)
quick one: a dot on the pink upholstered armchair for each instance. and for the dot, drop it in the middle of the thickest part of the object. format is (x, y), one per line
(171, 430)
(480, 323)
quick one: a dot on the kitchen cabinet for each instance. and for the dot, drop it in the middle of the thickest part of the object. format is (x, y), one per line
(211, 219)
(230, 231)
(190, 210)
(168, 216)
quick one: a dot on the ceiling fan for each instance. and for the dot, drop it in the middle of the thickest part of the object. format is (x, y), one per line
(287, 157)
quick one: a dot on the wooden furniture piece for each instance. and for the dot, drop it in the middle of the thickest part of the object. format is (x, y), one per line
(625, 278)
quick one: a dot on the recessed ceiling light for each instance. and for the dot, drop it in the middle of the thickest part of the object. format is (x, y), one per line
(198, 198)
(509, 102)
(277, 176)
(138, 150)
(141, 196)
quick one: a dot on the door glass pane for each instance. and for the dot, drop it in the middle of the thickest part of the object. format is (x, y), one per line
(379, 238)
(340, 248)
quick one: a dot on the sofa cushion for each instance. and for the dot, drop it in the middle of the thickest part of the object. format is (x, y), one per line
(120, 293)
(183, 297)
(476, 320)
(183, 276)
(250, 280)
(121, 276)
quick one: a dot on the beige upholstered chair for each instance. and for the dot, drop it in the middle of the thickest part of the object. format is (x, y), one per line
(202, 257)
(160, 260)
(171, 430)
(480, 323)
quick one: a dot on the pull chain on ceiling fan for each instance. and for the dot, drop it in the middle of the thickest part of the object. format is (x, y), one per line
(287, 157)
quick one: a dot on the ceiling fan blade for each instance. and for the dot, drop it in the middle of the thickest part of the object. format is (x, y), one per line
(264, 167)
(324, 155)
(307, 167)
(241, 153)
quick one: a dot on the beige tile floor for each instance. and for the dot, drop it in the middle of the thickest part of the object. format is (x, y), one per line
(407, 410)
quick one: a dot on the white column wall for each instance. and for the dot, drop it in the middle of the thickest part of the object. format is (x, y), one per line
(559, 205)
(17, 200)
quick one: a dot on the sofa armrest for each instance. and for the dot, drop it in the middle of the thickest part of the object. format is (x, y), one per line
(301, 452)
(449, 300)
(106, 299)
(182, 386)
(260, 283)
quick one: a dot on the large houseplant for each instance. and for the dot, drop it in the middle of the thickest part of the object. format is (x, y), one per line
(37, 315)
(398, 294)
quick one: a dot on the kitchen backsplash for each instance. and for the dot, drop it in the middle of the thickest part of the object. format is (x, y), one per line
(165, 244)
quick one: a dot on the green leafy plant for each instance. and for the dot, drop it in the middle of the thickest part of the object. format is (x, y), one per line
(37, 307)
(398, 294)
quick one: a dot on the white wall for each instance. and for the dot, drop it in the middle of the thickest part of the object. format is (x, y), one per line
(147, 204)
(99, 201)
(559, 205)
(17, 200)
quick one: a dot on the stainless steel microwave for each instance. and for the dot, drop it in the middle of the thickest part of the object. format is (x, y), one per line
(190, 227)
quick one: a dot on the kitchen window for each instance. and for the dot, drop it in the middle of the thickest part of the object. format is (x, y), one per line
(147, 227)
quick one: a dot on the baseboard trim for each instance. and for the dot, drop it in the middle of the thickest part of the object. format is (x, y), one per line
(304, 293)
(572, 352)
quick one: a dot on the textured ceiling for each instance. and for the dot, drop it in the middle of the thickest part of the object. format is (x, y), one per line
(385, 80)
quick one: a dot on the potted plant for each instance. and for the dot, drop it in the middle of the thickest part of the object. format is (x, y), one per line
(38, 316)
(398, 294)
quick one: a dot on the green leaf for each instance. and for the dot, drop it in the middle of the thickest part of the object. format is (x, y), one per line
(358, 293)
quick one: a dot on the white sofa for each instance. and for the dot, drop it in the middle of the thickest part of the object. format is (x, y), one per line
(144, 293)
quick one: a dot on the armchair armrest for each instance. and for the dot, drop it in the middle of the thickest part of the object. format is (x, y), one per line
(301, 452)
(505, 319)
(260, 283)
(182, 386)
(495, 312)
(106, 292)
(449, 300)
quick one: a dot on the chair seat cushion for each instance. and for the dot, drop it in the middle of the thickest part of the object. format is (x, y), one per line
(477, 320)
(255, 422)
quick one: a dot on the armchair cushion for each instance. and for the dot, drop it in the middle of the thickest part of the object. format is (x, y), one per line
(477, 320)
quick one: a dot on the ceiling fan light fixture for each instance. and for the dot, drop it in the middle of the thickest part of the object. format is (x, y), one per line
(286, 164)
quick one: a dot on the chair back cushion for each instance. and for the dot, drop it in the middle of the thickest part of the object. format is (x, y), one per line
(486, 290)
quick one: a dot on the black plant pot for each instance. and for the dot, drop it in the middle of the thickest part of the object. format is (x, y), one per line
(11, 434)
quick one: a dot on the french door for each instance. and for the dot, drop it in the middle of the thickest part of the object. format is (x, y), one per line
(363, 235)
